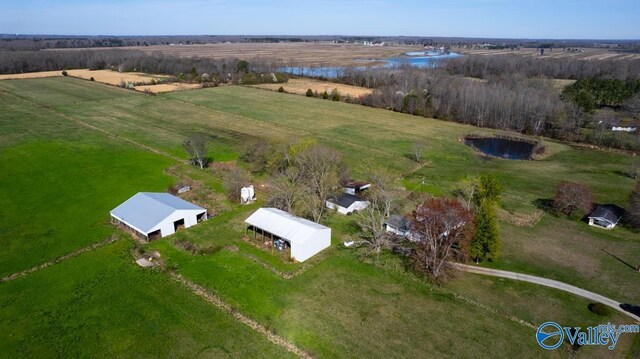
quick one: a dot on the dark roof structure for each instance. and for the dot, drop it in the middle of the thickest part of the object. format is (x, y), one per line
(609, 212)
(399, 222)
(345, 200)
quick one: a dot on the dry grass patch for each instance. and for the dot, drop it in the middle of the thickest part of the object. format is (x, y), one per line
(31, 75)
(115, 78)
(300, 87)
(162, 88)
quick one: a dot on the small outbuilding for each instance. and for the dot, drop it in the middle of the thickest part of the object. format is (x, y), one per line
(606, 216)
(152, 215)
(355, 187)
(303, 237)
(399, 225)
(347, 203)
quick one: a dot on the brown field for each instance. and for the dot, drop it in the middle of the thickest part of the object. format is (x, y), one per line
(31, 75)
(300, 86)
(168, 87)
(582, 53)
(303, 54)
(113, 77)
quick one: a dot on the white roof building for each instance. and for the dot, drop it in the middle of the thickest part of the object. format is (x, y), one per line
(157, 214)
(305, 238)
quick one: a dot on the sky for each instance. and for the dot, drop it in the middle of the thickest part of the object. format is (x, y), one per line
(541, 19)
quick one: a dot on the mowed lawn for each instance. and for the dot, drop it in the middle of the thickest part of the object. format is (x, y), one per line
(339, 307)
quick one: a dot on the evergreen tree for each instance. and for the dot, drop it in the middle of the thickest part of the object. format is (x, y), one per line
(485, 245)
(309, 93)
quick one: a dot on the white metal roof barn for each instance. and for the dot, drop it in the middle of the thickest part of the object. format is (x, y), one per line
(153, 215)
(305, 238)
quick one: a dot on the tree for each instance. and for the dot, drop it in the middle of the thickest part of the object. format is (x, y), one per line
(64, 73)
(573, 199)
(418, 150)
(466, 190)
(196, 147)
(242, 66)
(320, 170)
(309, 93)
(632, 106)
(490, 189)
(281, 89)
(485, 244)
(632, 214)
(335, 95)
(287, 190)
(234, 181)
(382, 198)
(444, 229)
(325, 95)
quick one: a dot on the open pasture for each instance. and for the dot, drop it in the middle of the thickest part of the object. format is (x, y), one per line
(95, 145)
(558, 52)
(301, 85)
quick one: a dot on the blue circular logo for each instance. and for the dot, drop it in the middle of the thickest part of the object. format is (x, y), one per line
(550, 338)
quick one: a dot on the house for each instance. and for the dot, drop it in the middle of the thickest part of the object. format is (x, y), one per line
(152, 215)
(355, 187)
(606, 216)
(347, 203)
(399, 225)
(302, 237)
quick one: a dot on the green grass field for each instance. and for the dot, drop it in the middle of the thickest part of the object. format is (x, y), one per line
(71, 150)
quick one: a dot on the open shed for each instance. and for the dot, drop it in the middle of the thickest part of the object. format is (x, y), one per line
(305, 238)
(152, 215)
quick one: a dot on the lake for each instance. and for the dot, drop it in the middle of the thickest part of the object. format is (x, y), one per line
(414, 58)
(510, 149)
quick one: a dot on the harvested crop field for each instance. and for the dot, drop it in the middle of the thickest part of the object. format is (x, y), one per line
(302, 54)
(115, 78)
(300, 86)
(580, 53)
(162, 88)
(31, 75)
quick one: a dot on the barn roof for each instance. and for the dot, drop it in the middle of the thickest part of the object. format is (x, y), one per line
(608, 212)
(145, 210)
(284, 225)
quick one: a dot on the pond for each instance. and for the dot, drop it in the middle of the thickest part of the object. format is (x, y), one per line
(510, 149)
(415, 58)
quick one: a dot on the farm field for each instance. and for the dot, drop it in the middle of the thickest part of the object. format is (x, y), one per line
(582, 53)
(303, 54)
(30, 75)
(301, 85)
(88, 146)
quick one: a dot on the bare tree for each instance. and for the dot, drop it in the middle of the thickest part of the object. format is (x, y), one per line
(234, 181)
(196, 147)
(632, 106)
(573, 199)
(319, 167)
(287, 190)
(382, 199)
(443, 229)
(466, 190)
(418, 150)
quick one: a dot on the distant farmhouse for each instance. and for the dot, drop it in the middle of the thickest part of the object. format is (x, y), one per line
(287, 232)
(399, 225)
(606, 216)
(153, 215)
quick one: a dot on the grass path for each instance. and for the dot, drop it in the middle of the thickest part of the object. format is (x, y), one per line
(215, 300)
(59, 259)
(548, 283)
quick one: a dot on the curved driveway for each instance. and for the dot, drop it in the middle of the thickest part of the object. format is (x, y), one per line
(547, 283)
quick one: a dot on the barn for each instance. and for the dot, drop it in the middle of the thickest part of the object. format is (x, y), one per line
(153, 215)
(347, 203)
(302, 237)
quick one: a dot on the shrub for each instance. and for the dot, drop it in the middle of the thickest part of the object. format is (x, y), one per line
(92, 79)
(335, 96)
(309, 93)
(325, 95)
(599, 309)
(64, 73)
(281, 89)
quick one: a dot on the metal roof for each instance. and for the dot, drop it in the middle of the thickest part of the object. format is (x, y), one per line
(284, 225)
(608, 212)
(399, 222)
(145, 210)
(346, 200)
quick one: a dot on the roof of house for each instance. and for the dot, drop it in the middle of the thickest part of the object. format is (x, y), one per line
(356, 184)
(284, 225)
(346, 200)
(400, 222)
(608, 212)
(145, 210)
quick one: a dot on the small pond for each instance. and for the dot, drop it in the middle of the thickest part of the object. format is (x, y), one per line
(510, 149)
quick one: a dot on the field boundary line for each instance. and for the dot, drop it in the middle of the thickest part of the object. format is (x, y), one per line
(60, 259)
(219, 303)
(547, 283)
